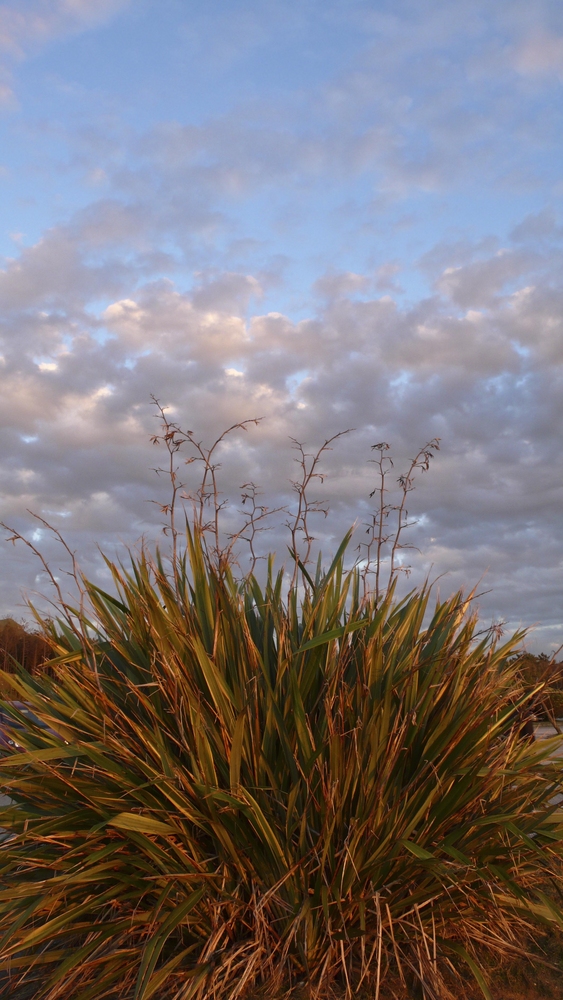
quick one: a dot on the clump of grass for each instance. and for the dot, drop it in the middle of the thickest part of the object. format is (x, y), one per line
(259, 787)
(249, 790)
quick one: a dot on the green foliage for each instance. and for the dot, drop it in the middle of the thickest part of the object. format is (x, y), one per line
(247, 790)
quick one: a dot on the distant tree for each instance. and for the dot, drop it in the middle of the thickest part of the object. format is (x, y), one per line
(543, 672)
(19, 645)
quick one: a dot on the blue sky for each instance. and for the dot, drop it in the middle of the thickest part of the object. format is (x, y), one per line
(354, 205)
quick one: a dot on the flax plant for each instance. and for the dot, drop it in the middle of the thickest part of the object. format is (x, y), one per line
(243, 789)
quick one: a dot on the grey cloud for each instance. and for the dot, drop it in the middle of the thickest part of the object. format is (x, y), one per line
(534, 317)
(225, 292)
(456, 254)
(336, 285)
(76, 437)
(478, 283)
(54, 272)
(403, 373)
(385, 277)
(539, 226)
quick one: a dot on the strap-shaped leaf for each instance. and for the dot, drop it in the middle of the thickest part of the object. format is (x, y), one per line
(334, 633)
(140, 824)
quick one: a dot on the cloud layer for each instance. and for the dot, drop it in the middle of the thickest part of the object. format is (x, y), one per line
(486, 378)
(375, 245)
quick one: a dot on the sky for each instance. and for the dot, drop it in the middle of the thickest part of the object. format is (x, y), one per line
(327, 214)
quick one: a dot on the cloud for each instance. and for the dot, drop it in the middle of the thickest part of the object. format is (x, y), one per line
(335, 286)
(479, 282)
(538, 226)
(76, 412)
(243, 261)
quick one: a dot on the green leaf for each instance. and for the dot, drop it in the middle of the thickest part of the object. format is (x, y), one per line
(38, 756)
(140, 824)
(154, 947)
(419, 852)
(460, 950)
(334, 633)
(236, 750)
